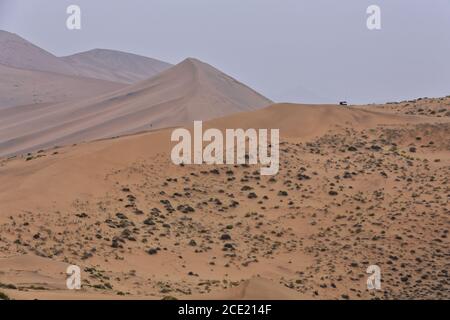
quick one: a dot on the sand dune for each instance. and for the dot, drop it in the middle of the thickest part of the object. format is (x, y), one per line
(306, 121)
(29, 74)
(109, 65)
(115, 66)
(19, 53)
(297, 122)
(191, 90)
(355, 188)
(27, 87)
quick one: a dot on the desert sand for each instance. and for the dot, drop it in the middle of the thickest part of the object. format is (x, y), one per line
(357, 186)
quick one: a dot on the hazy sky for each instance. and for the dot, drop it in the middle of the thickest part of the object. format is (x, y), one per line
(297, 50)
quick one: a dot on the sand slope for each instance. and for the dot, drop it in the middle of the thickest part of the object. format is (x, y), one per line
(26, 87)
(303, 121)
(297, 122)
(31, 270)
(191, 90)
(115, 66)
(20, 53)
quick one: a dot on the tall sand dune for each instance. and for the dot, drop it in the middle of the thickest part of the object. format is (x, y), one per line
(19, 53)
(191, 90)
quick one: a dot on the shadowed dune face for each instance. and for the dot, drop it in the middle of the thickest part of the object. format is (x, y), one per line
(192, 90)
(356, 187)
(109, 65)
(115, 66)
(19, 87)
(17, 52)
(30, 75)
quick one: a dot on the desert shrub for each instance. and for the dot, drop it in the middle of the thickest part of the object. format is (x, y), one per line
(3, 296)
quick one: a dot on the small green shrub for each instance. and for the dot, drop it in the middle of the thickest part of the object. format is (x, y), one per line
(3, 296)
